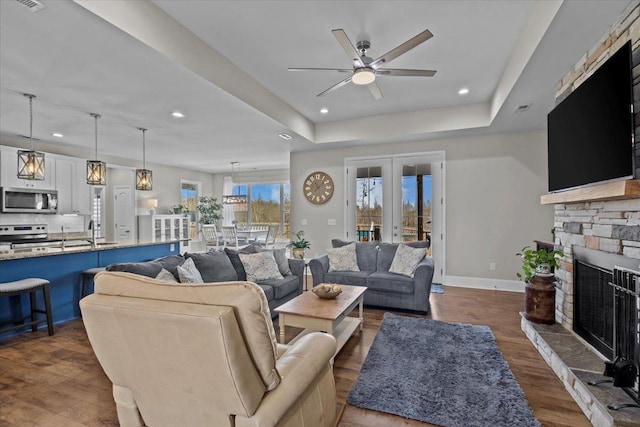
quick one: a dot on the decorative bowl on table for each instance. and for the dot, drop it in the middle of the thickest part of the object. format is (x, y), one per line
(327, 291)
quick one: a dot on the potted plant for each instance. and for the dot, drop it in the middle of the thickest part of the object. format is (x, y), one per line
(539, 291)
(299, 245)
(209, 209)
(178, 209)
(538, 263)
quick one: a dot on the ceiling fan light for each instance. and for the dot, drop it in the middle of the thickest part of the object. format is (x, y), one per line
(363, 76)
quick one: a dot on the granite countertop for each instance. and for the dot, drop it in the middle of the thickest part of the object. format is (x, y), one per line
(20, 253)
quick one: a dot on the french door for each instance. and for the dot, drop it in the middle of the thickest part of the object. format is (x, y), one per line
(398, 199)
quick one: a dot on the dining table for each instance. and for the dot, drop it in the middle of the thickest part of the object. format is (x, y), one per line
(250, 234)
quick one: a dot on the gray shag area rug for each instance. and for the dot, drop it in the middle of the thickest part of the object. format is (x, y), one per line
(452, 375)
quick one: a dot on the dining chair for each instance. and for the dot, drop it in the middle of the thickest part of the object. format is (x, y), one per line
(230, 236)
(211, 237)
(269, 239)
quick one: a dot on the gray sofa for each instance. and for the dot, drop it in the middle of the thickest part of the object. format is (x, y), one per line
(225, 266)
(384, 289)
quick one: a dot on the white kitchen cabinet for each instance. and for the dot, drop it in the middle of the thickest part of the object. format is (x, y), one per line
(160, 228)
(9, 171)
(74, 194)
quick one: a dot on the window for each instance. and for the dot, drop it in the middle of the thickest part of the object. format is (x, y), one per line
(266, 204)
(189, 196)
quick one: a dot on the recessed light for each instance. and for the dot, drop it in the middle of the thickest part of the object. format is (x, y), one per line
(324, 110)
(57, 134)
(463, 91)
(285, 136)
(177, 114)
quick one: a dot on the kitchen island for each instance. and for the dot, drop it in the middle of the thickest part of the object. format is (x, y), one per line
(63, 269)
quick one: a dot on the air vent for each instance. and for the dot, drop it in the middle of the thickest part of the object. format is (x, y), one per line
(33, 5)
(522, 108)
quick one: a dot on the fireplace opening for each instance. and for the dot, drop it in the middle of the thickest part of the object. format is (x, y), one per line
(607, 312)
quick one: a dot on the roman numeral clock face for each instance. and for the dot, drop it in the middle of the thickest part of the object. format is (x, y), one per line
(318, 188)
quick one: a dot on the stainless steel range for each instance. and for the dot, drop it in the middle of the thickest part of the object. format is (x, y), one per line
(26, 235)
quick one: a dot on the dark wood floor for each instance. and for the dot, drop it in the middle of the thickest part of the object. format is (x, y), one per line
(56, 381)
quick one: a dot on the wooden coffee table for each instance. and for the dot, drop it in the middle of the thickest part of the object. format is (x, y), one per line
(327, 315)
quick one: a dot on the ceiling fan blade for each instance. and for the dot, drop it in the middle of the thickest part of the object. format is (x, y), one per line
(336, 86)
(403, 72)
(340, 70)
(403, 48)
(347, 46)
(375, 90)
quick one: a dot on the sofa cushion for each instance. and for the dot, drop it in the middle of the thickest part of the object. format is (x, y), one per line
(281, 287)
(148, 269)
(214, 266)
(268, 291)
(406, 260)
(170, 263)
(366, 252)
(188, 272)
(280, 256)
(260, 266)
(386, 255)
(390, 282)
(343, 258)
(356, 278)
(235, 259)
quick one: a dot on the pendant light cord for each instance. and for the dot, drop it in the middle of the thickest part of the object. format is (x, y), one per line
(96, 117)
(144, 150)
(31, 122)
(28, 95)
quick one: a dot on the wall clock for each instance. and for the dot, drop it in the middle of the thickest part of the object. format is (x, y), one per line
(318, 188)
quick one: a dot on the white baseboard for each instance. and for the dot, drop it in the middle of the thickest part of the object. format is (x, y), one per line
(483, 283)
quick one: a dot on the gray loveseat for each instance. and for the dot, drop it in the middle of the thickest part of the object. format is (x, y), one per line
(225, 266)
(385, 289)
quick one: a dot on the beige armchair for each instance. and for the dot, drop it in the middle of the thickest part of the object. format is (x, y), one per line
(204, 355)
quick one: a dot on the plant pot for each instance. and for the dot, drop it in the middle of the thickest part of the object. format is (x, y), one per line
(297, 253)
(544, 270)
(540, 300)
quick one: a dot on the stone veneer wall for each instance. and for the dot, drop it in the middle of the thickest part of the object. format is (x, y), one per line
(610, 226)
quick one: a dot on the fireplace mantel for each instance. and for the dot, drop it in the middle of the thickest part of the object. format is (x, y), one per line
(619, 190)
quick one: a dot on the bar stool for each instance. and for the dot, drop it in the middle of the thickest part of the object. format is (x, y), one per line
(31, 285)
(88, 275)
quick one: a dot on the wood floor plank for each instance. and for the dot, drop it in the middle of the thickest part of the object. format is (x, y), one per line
(57, 381)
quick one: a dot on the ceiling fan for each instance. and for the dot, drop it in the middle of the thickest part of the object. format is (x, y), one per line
(366, 69)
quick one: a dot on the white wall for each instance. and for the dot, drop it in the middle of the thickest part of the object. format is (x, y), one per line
(492, 199)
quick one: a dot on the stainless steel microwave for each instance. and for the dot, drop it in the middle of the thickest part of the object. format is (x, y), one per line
(29, 200)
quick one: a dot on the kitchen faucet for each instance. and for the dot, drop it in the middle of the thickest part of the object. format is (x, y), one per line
(92, 227)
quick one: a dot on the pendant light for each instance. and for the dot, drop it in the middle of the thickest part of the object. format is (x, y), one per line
(96, 169)
(144, 177)
(30, 163)
(234, 199)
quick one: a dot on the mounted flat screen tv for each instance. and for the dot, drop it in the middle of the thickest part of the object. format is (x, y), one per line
(590, 132)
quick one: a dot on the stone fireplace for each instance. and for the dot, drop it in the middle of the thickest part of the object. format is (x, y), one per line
(607, 226)
(596, 227)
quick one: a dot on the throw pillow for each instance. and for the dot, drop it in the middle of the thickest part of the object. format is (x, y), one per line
(280, 256)
(235, 259)
(188, 272)
(343, 258)
(260, 266)
(166, 276)
(406, 260)
(214, 266)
